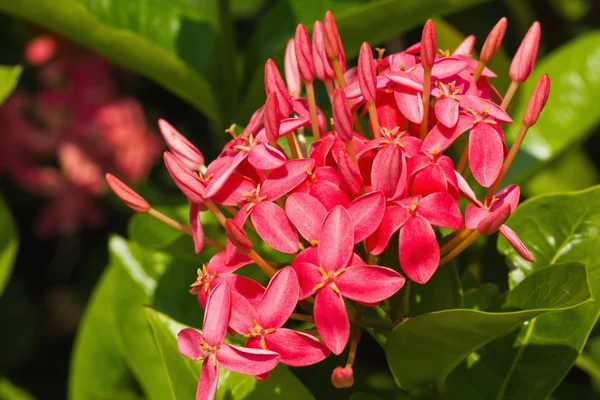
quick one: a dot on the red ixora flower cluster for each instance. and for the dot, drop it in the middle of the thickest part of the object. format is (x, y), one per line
(336, 203)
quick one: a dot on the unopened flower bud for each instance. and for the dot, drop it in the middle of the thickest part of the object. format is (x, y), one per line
(537, 101)
(332, 36)
(304, 54)
(40, 50)
(187, 181)
(342, 377)
(367, 74)
(272, 117)
(274, 83)
(127, 195)
(237, 236)
(290, 68)
(182, 148)
(321, 63)
(350, 178)
(524, 60)
(342, 115)
(428, 45)
(494, 41)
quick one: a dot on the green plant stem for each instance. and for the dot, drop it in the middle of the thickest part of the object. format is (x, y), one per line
(585, 363)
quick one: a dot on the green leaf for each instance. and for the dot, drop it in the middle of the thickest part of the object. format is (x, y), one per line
(428, 347)
(8, 391)
(574, 170)
(183, 373)
(98, 367)
(9, 243)
(166, 40)
(556, 228)
(358, 21)
(483, 297)
(9, 77)
(567, 118)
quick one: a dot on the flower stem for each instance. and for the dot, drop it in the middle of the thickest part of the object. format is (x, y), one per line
(509, 159)
(459, 249)
(462, 162)
(330, 89)
(302, 317)
(258, 260)
(509, 94)
(459, 237)
(478, 70)
(426, 95)
(351, 152)
(180, 227)
(374, 119)
(291, 139)
(312, 108)
(586, 364)
(353, 346)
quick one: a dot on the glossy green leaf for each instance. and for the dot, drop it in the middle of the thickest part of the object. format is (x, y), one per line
(358, 21)
(8, 391)
(556, 228)
(428, 347)
(568, 117)
(482, 298)
(574, 170)
(9, 77)
(166, 40)
(9, 243)
(183, 373)
(98, 367)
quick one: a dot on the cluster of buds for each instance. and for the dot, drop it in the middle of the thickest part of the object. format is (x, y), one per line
(335, 205)
(76, 117)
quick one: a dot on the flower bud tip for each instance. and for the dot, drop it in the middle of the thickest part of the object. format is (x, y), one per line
(342, 377)
(127, 195)
(537, 101)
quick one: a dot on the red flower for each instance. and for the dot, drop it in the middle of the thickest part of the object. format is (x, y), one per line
(335, 274)
(210, 347)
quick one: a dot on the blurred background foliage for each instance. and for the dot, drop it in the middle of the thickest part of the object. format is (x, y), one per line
(199, 65)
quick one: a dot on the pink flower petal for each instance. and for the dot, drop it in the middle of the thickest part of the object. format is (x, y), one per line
(441, 137)
(308, 277)
(246, 361)
(209, 380)
(297, 349)
(331, 319)
(410, 104)
(264, 157)
(509, 195)
(197, 231)
(446, 111)
(329, 194)
(366, 212)
(448, 66)
(516, 243)
(246, 287)
(369, 283)
(336, 240)
(393, 219)
(478, 105)
(216, 317)
(280, 299)
(419, 251)
(242, 314)
(223, 175)
(387, 169)
(441, 209)
(474, 215)
(231, 193)
(485, 154)
(188, 343)
(306, 213)
(430, 179)
(283, 179)
(274, 227)
(494, 220)
(465, 189)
